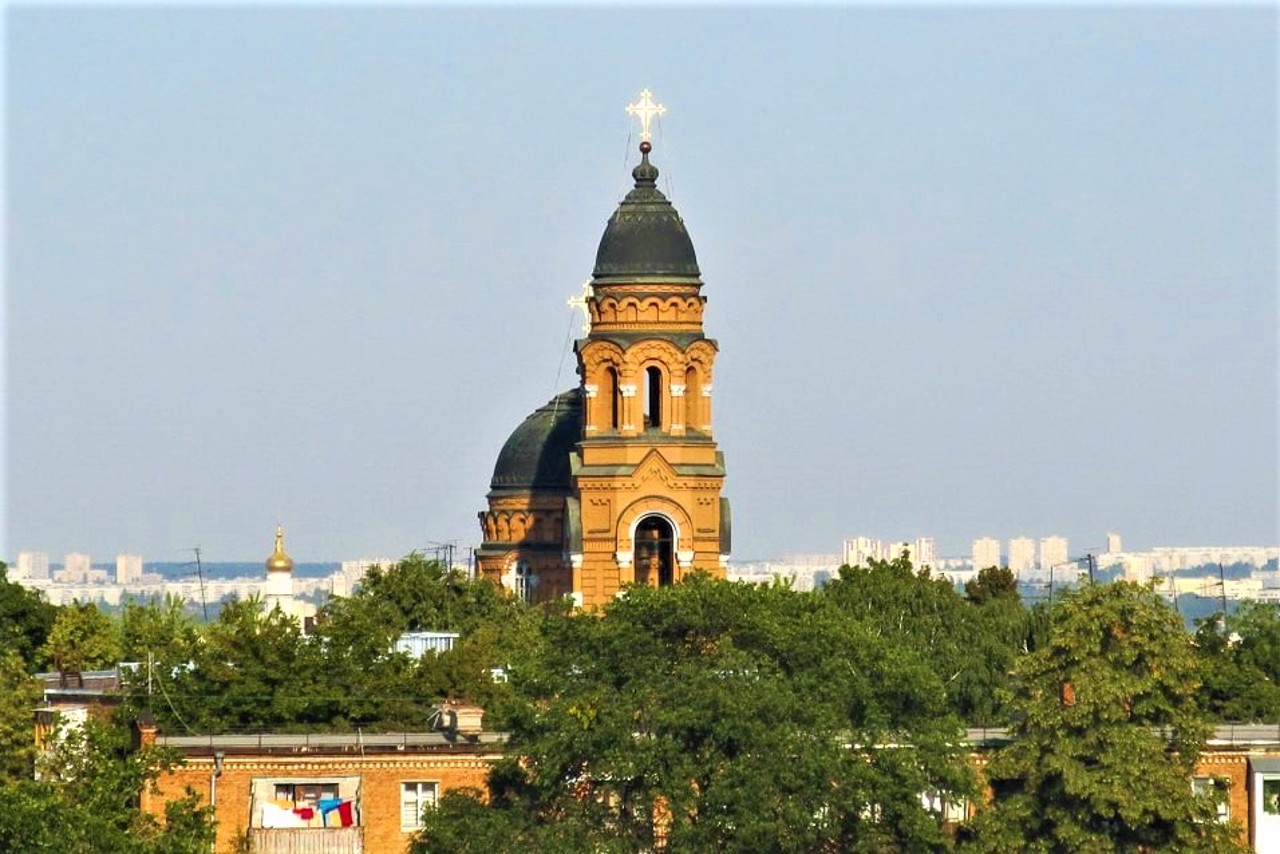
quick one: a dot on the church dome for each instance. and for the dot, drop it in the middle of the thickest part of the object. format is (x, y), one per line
(645, 236)
(536, 456)
(279, 561)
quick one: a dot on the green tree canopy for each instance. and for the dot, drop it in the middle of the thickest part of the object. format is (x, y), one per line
(82, 638)
(1241, 663)
(252, 671)
(25, 622)
(1106, 731)
(20, 695)
(86, 802)
(718, 716)
(970, 644)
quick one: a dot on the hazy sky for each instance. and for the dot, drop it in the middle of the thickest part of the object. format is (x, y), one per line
(973, 271)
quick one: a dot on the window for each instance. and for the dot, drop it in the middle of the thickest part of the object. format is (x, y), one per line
(1271, 795)
(522, 581)
(608, 396)
(1215, 789)
(414, 798)
(305, 794)
(950, 809)
(653, 398)
(692, 399)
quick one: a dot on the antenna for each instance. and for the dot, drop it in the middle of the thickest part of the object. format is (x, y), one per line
(1222, 581)
(443, 552)
(204, 603)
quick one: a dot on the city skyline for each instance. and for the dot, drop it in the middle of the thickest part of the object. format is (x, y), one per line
(308, 266)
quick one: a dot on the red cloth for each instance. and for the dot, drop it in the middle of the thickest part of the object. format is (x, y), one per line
(346, 815)
(305, 813)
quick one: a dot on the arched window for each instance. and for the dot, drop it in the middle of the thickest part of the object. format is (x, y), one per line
(655, 552)
(692, 399)
(653, 398)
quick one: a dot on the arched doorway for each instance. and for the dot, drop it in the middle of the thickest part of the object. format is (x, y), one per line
(655, 552)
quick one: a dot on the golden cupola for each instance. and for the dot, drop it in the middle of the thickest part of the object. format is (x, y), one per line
(279, 561)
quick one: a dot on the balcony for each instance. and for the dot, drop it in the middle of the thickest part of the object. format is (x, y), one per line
(306, 840)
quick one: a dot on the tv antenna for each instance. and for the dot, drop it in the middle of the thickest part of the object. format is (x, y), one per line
(204, 603)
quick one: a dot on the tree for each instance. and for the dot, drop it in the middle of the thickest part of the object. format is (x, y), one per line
(159, 631)
(1256, 628)
(86, 802)
(25, 621)
(380, 689)
(970, 645)
(253, 671)
(1241, 663)
(717, 716)
(82, 638)
(19, 696)
(1105, 733)
(992, 584)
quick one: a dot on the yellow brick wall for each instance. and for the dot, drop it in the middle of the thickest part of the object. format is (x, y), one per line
(380, 776)
(1234, 769)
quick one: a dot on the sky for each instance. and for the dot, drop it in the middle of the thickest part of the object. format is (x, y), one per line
(974, 271)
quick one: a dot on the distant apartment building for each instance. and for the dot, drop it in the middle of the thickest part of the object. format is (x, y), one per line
(859, 551)
(1053, 552)
(32, 566)
(75, 569)
(893, 551)
(1113, 543)
(354, 571)
(1167, 558)
(986, 552)
(1136, 567)
(128, 568)
(1022, 555)
(926, 553)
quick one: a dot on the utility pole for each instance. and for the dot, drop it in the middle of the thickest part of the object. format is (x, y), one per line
(1093, 565)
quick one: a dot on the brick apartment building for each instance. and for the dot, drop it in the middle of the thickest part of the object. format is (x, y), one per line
(389, 779)
(324, 794)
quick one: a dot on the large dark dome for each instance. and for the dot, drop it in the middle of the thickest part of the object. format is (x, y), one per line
(645, 236)
(536, 456)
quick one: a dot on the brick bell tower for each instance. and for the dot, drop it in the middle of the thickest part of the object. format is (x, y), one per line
(647, 475)
(619, 481)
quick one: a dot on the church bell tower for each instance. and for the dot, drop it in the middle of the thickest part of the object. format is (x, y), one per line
(630, 476)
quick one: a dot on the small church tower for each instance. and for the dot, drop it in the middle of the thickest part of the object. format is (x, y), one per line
(277, 592)
(622, 471)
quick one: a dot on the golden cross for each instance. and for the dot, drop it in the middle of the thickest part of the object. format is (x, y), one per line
(645, 109)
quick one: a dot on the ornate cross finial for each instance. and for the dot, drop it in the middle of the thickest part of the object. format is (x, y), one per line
(580, 302)
(645, 109)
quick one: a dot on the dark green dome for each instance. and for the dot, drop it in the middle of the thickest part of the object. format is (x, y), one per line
(645, 236)
(536, 456)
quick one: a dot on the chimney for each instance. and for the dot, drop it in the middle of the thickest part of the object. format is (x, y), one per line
(459, 718)
(144, 731)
